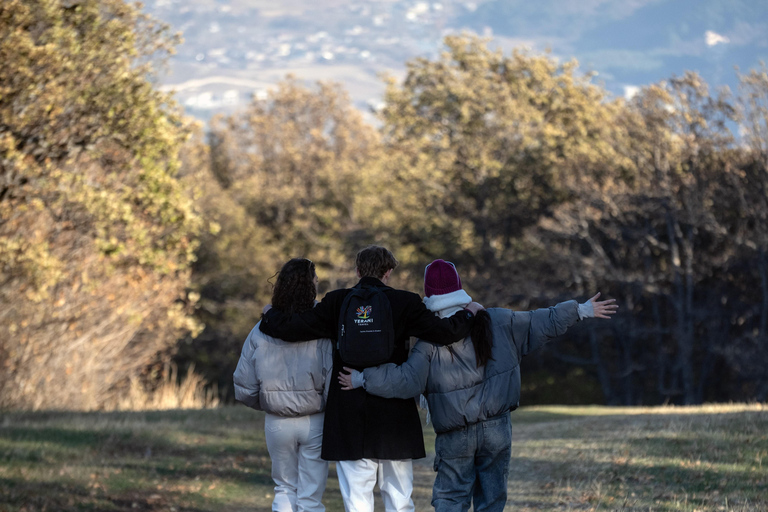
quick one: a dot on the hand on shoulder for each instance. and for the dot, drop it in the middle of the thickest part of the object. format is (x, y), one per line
(474, 307)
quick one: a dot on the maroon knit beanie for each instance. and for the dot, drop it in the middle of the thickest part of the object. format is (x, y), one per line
(440, 277)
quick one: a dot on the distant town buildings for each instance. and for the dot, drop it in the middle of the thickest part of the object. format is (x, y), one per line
(232, 40)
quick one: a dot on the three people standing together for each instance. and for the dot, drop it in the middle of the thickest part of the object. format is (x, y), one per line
(374, 432)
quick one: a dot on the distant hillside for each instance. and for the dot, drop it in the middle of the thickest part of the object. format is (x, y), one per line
(636, 43)
(629, 44)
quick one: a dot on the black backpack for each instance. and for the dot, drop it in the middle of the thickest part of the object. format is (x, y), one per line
(366, 331)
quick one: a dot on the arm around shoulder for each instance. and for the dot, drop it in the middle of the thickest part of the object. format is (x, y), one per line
(424, 324)
(401, 381)
(318, 322)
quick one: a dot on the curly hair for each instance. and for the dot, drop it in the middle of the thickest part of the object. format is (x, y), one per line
(375, 261)
(294, 289)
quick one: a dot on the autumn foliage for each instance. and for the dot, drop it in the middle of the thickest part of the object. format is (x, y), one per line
(130, 237)
(96, 234)
(540, 186)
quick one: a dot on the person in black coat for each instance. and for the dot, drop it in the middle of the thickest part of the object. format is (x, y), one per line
(372, 437)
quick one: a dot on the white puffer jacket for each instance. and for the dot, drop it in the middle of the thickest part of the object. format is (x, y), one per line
(281, 378)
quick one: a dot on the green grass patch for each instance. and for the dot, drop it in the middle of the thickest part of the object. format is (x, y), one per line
(564, 458)
(603, 458)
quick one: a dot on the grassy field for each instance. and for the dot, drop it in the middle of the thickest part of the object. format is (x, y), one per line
(563, 458)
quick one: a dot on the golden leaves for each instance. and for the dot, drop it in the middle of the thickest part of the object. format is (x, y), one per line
(91, 201)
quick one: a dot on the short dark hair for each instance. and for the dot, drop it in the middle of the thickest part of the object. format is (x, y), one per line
(375, 261)
(294, 290)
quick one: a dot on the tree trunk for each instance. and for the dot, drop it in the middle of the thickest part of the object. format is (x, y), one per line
(762, 268)
(680, 302)
(627, 344)
(689, 328)
(602, 372)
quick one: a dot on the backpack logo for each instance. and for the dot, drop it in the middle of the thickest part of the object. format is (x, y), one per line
(364, 315)
(366, 330)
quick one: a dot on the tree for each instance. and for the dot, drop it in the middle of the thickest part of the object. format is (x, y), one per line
(482, 145)
(283, 180)
(662, 239)
(749, 228)
(96, 235)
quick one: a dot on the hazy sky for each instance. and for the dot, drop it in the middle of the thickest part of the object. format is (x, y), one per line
(636, 42)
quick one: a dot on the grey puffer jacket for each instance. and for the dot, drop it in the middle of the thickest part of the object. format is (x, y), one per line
(281, 378)
(457, 391)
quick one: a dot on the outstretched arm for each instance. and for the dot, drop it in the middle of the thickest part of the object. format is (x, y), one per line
(533, 329)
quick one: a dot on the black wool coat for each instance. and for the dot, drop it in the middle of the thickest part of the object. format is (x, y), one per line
(359, 425)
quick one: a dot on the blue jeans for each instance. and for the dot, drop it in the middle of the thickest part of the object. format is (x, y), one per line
(472, 463)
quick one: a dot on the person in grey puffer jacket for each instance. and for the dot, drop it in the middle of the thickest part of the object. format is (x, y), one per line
(290, 382)
(471, 386)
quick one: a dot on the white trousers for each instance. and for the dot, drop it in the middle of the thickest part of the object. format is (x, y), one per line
(358, 477)
(297, 469)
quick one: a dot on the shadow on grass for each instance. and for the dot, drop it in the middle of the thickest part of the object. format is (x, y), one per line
(696, 477)
(41, 444)
(247, 473)
(132, 434)
(544, 413)
(33, 496)
(132, 460)
(202, 421)
(552, 422)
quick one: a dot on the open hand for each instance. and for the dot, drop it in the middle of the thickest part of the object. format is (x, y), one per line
(603, 308)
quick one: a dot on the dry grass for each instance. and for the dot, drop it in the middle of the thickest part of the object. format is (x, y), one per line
(710, 458)
(639, 459)
(191, 392)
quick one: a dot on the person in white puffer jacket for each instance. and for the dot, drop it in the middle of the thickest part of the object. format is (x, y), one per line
(471, 386)
(290, 382)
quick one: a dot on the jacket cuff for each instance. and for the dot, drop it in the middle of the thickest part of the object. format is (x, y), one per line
(586, 310)
(358, 379)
